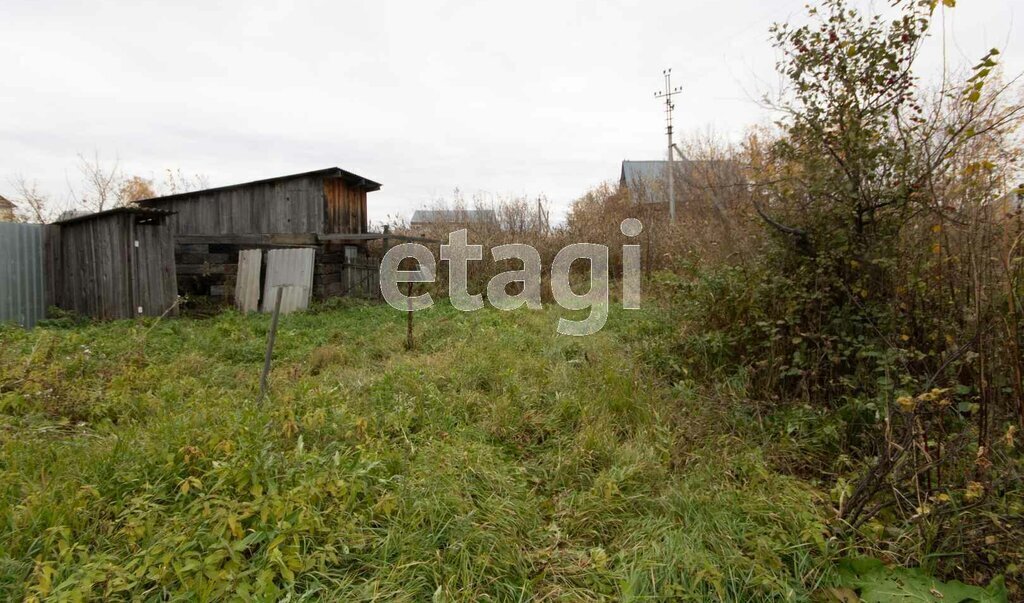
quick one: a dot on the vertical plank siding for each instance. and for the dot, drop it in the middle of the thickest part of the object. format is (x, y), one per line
(112, 266)
(155, 270)
(22, 276)
(344, 208)
(320, 202)
(283, 207)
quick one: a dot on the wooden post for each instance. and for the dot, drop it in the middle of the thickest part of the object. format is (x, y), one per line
(270, 344)
(384, 250)
(408, 326)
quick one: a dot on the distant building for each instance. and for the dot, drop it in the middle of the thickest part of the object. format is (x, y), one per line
(6, 210)
(1012, 202)
(451, 218)
(646, 180)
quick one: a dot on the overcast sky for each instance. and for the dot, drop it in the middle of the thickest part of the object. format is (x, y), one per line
(509, 98)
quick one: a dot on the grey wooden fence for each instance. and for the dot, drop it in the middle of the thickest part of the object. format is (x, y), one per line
(361, 278)
(22, 277)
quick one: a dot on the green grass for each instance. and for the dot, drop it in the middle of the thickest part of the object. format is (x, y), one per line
(496, 461)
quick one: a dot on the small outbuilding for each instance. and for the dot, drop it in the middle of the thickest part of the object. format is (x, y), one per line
(647, 181)
(112, 264)
(6, 210)
(324, 210)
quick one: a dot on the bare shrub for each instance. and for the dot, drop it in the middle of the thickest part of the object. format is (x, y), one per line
(35, 205)
(714, 222)
(490, 222)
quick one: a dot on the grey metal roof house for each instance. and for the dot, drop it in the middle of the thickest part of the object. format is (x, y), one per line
(646, 180)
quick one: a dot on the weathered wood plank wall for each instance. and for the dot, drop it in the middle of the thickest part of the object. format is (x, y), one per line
(345, 208)
(155, 275)
(310, 204)
(290, 206)
(97, 270)
(90, 268)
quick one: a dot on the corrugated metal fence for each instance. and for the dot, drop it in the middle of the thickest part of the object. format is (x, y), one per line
(22, 294)
(293, 269)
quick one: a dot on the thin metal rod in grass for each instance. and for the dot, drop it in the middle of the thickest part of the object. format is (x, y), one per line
(271, 337)
(408, 324)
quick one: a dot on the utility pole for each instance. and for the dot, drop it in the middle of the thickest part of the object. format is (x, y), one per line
(667, 94)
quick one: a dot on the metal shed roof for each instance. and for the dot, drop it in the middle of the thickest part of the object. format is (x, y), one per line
(332, 172)
(144, 212)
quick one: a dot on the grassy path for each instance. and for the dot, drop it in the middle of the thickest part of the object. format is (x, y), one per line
(497, 461)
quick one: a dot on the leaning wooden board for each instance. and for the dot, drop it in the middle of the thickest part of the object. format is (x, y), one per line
(247, 285)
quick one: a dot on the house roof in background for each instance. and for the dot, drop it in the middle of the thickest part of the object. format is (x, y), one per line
(645, 171)
(456, 216)
(144, 212)
(332, 172)
(5, 204)
(654, 170)
(646, 179)
(634, 172)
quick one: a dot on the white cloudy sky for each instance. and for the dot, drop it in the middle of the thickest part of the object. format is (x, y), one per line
(509, 98)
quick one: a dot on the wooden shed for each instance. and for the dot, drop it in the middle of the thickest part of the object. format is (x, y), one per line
(112, 264)
(323, 209)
